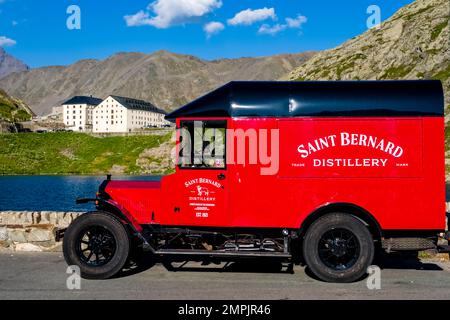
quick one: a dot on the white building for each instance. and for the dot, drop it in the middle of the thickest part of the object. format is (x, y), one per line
(121, 114)
(77, 112)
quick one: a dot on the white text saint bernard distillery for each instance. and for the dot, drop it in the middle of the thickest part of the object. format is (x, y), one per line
(350, 139)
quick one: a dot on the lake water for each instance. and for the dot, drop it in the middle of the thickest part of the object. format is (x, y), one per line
(51, 193)
(58, 193)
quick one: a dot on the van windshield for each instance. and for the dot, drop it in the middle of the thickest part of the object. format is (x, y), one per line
(202, 144)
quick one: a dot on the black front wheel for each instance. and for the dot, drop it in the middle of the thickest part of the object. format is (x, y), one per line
(338, 247)
(97, 243)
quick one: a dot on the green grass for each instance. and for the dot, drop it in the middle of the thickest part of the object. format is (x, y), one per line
(11, 114)
(397, 72)
(433, 51)
(420, 75)
(341, 68)
(412, 15)
(72, 153)
(443, 74)
(6, 112)
(438, 29)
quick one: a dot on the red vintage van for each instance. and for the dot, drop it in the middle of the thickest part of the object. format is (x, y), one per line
(325, 173)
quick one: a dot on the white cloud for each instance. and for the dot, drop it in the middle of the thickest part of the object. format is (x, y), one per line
(296, 22)
(272, 30)
(6, 42)
(166, 13)
(248, 17)
(213, 28)
(139, 19)
(291, 23)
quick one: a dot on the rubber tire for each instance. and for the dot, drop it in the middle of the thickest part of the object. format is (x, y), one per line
(311, 252)
(119, 233)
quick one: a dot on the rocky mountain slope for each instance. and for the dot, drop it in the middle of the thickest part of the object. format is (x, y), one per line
(13, 109)
(168, 80)
(9, 64)
(412, 44)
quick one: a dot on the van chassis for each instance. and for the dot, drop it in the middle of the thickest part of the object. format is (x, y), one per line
(223, 244)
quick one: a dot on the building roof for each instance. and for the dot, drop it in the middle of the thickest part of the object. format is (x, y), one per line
(92, 101)
(136, 104)
(318, 98)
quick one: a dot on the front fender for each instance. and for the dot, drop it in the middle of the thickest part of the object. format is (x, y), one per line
(112, 207)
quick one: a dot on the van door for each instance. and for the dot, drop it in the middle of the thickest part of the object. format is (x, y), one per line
(201, 191)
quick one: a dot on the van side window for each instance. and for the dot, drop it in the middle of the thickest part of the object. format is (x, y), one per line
(202, 144)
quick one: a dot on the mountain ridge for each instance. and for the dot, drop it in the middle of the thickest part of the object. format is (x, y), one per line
(166, 79)
(9, 64)
(411, 44)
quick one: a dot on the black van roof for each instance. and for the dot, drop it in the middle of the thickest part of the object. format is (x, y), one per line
(318, 98)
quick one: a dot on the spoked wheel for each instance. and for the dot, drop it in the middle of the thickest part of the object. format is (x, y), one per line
(97, 243)
(95, 246)
(338, 248)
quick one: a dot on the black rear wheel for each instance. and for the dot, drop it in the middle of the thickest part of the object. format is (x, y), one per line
(338, 248)
(98, 243)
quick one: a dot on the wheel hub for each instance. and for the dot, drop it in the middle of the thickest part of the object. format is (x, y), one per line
(338, 249)
(96, 246)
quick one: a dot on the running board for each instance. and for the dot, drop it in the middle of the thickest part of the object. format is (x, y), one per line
(256, 254)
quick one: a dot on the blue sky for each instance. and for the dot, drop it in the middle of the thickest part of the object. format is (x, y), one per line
(36, 31)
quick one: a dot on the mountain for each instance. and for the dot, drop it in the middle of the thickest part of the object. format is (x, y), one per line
(412, 44)
(9, 64)
(166, 79)
(13, 109)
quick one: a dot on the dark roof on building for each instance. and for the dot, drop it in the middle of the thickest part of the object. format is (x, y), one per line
(318, 98)
(92, 101)
(136, 104)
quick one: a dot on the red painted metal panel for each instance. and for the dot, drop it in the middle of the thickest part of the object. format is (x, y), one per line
(404, 191)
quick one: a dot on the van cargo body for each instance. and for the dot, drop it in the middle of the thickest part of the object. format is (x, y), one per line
(323, 172)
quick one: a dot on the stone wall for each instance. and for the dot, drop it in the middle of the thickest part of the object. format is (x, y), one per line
(32, 231)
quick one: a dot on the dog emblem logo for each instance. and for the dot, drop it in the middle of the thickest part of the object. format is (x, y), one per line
(202, 191)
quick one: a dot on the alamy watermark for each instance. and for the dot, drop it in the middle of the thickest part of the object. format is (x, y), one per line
(374, 20)
(73, 21)
(205, 147)
(73, 281)
(373, 281)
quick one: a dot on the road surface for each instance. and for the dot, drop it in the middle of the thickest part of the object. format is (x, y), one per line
(43, 276)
